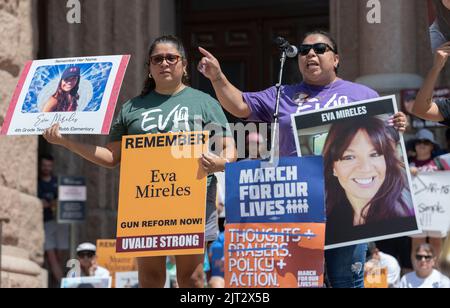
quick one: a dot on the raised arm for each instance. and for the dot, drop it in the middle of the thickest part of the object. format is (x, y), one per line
(108, 156)
(424, 107)
(228, 95)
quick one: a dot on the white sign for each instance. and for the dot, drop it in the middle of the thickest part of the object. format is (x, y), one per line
(78, 93)
(86, 283)
(432, 194)
(72, 193)
(127, 280)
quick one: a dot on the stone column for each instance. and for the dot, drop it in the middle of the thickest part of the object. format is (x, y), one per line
(23, 237)
(107, 27)
(388, 56)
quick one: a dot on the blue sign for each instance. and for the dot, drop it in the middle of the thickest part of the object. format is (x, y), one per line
(290, 192)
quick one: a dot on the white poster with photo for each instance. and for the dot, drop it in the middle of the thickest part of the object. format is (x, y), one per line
(127, 280)
(86, 283)
(432, 194)
(78, 93)
(367, 179)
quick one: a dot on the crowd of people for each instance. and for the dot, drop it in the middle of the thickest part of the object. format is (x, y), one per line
(167, 89)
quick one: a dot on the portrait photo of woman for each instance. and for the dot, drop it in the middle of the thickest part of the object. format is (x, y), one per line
(365, 180)
(66, 97)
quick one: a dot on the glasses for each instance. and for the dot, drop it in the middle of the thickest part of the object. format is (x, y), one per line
(319, 48)
(170, 59)
(424, 257)
(84, 254)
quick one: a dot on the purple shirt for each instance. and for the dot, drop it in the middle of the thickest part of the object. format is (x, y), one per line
(301, 98)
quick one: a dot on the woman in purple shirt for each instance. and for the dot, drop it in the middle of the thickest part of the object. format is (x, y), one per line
(321, 88)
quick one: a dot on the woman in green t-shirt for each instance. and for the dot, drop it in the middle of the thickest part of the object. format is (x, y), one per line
(166, 104)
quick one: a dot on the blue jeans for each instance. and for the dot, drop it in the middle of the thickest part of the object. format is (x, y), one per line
(345, 266)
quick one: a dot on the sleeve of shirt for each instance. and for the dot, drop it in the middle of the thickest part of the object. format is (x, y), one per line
(444, 109)
(215, 119)
(437, 38)
(119, 127)
(372, 94)
(261, 104)
(403, 284)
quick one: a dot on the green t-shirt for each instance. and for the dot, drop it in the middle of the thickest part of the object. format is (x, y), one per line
(156, 113)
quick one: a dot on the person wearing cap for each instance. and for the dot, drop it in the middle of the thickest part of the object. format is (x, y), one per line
(424, 145)
(424, 162)
(86, 254)
(66, 96)
(425, 107)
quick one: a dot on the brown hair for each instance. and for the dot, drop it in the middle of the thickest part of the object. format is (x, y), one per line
(389, 201)
(427, 247)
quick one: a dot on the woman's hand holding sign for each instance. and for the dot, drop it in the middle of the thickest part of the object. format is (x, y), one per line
(212, 163)
(108, 156)
(399, 121)
(53, 135)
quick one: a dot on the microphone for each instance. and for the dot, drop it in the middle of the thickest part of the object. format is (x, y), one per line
(291, 50)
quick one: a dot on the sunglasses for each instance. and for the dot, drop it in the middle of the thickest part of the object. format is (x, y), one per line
(159, 59)
(423, 257)
(84, 254)
(319, 48)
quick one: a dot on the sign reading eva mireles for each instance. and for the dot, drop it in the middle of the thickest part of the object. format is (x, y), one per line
(162, 197)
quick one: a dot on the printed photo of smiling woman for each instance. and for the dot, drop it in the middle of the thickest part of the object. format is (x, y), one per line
(365, 179)
(66, 95)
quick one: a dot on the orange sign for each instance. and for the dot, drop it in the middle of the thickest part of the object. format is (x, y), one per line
(274, 255)
(109, 259)
(162, 197)
(376, 278)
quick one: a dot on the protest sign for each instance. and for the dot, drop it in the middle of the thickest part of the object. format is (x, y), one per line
(275, 224)
(367, 179)
(78, 93)
(162, 197)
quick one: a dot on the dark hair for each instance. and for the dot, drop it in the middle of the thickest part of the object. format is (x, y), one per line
(46, 157)
(427, 247)
(443, 18)
(150, 84)
(67, 101)
(447, 134)
(329, 37)
(372, 248)
(388, 202)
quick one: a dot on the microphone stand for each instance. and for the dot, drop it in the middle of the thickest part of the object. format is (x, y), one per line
(275, 145)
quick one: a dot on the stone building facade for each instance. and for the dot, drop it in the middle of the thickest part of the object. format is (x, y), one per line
(23, 237)
(388, 56)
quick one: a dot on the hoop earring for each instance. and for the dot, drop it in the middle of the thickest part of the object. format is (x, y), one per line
(150, 76)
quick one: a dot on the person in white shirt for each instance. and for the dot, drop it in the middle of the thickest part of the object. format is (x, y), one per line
(86, 254)
(425, 276)
(379, 260)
